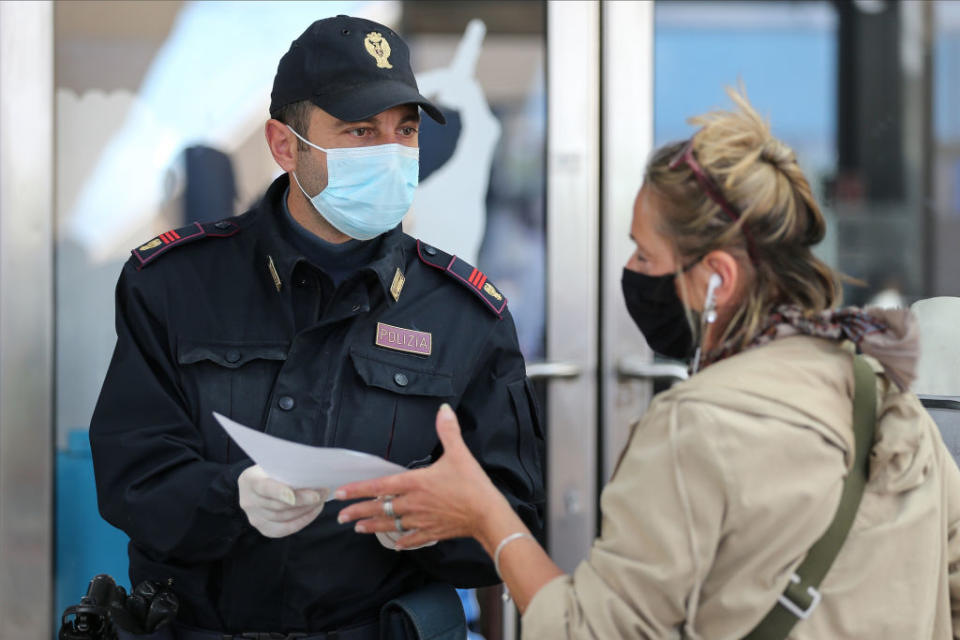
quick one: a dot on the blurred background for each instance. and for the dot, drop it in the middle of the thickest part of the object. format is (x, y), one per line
(123, 119)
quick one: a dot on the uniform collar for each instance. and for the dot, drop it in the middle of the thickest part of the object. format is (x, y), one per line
(275, 243)
(390, 260)
(272, 237)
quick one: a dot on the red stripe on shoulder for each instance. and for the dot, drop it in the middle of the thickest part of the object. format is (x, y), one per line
(472, 278)
(149, 251)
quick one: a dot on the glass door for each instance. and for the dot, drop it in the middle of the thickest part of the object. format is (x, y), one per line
(152, 101)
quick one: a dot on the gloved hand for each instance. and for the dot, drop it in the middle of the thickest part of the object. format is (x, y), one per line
(273, 508)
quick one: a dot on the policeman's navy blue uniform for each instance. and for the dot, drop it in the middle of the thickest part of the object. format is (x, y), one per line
(203, 326)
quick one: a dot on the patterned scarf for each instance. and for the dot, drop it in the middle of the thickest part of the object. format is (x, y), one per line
(889, 335)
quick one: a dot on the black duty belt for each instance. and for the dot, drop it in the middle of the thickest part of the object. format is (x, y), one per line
(369, 631)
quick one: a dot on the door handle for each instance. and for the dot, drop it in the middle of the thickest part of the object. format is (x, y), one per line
(639, 368)
(543, 370)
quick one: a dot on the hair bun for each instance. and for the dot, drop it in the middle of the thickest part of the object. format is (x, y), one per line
(777, 153)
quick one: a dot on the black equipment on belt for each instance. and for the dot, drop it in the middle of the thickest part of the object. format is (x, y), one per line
(106, 612)
(431, 612)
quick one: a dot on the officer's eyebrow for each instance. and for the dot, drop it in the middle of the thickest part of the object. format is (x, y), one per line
(413, 116)
(356, 123)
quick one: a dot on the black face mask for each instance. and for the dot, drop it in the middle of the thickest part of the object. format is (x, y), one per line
(655, 307)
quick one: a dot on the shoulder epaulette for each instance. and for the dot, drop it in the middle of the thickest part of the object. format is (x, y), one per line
(148, 252)
(464, 273)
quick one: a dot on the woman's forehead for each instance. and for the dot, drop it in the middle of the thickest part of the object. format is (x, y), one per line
(644, 214)
(645, 228)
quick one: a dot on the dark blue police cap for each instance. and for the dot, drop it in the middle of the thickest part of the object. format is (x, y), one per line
(351, 68)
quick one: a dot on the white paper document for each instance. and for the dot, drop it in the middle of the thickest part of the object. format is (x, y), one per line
(301, 466)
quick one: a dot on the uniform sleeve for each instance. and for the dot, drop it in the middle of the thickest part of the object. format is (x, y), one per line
(152, 480)
(641, 574)
(501, 425)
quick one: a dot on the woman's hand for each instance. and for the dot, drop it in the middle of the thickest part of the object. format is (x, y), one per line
(449, 499)
(452, 498)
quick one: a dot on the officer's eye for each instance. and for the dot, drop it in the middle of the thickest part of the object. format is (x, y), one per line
(408, 131)
(360, 132)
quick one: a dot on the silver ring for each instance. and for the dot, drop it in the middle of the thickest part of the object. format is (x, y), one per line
(398, 523)
(388, 508)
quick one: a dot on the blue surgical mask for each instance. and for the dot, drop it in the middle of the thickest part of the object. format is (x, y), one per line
(369, 189)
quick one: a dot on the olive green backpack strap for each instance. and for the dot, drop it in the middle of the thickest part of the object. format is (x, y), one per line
(801, 596)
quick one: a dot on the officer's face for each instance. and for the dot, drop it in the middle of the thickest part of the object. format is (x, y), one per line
(398, 125)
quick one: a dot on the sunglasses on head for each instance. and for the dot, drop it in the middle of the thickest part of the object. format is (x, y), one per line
(709, 187)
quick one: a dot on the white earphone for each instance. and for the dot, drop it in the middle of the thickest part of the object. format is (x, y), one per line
(710, 303)
(709, 315)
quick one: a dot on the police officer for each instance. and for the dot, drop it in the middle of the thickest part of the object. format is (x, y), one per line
(313, 317)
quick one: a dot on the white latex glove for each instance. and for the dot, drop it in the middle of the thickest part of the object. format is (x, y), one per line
(273, 508)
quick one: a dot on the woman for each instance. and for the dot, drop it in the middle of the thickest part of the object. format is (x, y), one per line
(731, 476)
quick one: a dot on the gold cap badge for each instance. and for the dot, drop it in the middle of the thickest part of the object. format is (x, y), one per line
(379, 48)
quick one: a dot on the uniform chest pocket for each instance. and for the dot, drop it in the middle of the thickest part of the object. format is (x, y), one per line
(389, 408)
(232, 378)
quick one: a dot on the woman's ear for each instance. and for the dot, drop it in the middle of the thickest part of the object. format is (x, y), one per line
(726, 267)
(282, 143)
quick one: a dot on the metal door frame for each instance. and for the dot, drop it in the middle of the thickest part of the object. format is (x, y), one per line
(626, 375)
(573, 225)
(26, 319)
(599, 133)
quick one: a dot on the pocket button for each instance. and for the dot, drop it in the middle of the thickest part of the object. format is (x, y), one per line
(286, 403)
(400, 379)
(233, 356)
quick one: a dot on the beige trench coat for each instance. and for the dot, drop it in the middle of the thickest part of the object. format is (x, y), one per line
(729, 479)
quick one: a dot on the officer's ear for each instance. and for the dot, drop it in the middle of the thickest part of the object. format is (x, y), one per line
(282, 143)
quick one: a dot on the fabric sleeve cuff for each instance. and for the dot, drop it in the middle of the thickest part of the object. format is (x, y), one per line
(546, 615)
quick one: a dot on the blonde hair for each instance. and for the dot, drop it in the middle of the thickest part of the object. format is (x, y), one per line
(779, 220)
